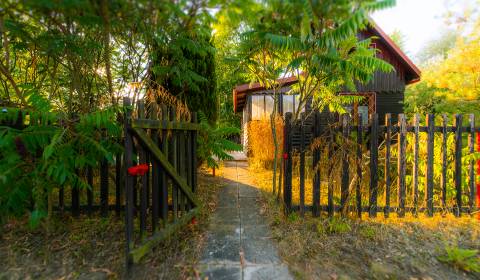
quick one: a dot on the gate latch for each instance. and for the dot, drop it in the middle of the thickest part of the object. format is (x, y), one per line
(138, 170)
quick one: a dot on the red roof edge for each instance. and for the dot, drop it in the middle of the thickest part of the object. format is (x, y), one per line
(411, 67)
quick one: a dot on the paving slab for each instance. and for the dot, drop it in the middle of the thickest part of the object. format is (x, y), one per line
(239, 243)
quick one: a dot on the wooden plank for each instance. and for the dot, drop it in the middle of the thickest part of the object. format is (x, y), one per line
(302, 166)
(388, 140)
(155, 175)
(129, 202)
(287, 193)
(163, 175)
(90, 190)
(194, 154)
(345, 182)
(316, 160)
(401, 166)
(136, 255)
(358, 188)
(471, 167)
(104, 187)
(75, 199)
(444, 161)
(373, 166)
(330, 190)
(142, 155)
(430, 155)
(164, 124)
(458, 164)
(173, 156)
(181, 167)
(416, 120)
(118, 183)
(143, 137)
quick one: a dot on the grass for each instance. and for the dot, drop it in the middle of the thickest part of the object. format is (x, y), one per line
(393, 248)
(94, 247)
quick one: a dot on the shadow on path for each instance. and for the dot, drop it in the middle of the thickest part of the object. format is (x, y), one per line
(239, 244)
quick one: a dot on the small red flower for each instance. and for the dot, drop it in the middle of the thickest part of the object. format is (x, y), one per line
(285, 156)
(194, 221)
(138, 170)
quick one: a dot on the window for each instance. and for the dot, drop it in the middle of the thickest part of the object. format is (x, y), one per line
(258, 107)
(365, 107)
(297, 104)
(268, 105)
(287, 103)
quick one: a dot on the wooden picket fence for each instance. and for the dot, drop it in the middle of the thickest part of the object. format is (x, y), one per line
(363, 142)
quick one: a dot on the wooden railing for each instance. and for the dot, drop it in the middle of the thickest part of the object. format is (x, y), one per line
(353, 150)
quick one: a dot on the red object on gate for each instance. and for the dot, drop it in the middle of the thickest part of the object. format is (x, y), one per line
(478, 173)
(285, 156)
(138, 170)
(194, 221)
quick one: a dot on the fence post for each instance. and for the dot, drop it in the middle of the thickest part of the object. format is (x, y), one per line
(302, 165)
(316, 168)
(194, 154)
(388, 139)
(471, 168)
(444, 162)
(429, 173)
(129, 203)
(330, 191)
(402, 145)
(416, 130)
(373, 166)
(458, 164)
(359, 165)
(345, 165)
(173, 159)
(287, 192)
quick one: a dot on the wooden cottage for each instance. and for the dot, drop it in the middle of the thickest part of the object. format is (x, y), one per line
(384, 94)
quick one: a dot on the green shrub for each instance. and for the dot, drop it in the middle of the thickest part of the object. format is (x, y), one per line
(463, 259)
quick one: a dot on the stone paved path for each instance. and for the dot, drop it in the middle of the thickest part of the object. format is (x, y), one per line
(239, 244)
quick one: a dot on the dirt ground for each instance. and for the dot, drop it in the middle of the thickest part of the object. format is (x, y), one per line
(394, 248)
(94, 247)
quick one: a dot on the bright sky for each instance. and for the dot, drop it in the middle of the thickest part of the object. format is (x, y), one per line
(419, 21)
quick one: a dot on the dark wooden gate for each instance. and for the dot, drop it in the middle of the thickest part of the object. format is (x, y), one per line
(162, 199)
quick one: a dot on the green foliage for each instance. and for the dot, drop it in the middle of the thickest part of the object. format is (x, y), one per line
(40, 156)
(463, 259)
(337, 225)
(213, 143)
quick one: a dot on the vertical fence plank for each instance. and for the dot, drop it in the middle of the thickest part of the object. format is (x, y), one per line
(416, 130)
(401, 166)
(104, 187)
(129, 202)
(444, 162)
(388, 140)
(173, 160)
(345, 165)
(194, 154)
(90, 191)
(330, 190)
(429, 173)
(142, 154)
(163, 176)
(458, 164)
(287, 193)
(373, 166)
(118, 183)
(302, 165)
(155, 175)
(181, 168)
(471, 167)
(188, 162)
(316, 168)
(75, 199)
(358, 188)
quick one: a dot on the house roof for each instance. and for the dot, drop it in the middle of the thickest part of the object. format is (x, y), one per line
(412, 73)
